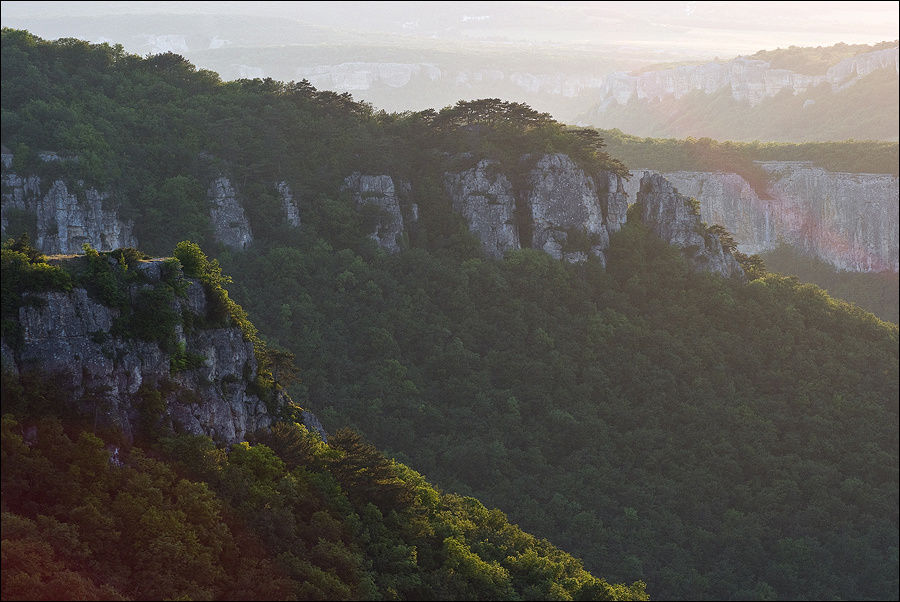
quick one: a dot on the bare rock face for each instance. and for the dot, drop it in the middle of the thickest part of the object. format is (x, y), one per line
(227, 216)
(564, 200)
(673, 218)
(558, 208)
(379, 191)
(747, 79)
(616, 202)
(726, 199)
(849, 220)
(20, 195)
(291, 212)
(68, 336)
(65, 220)
(485, 198)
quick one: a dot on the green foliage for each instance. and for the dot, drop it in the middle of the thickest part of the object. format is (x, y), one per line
(705, 154)
(19, 222)
(133, 531)
(503, 130)
(107, 276)
(714, 439)
(182, 359)
(720, 232)
(25, 270)
(877, 292)
(537, 385)
(257, 528)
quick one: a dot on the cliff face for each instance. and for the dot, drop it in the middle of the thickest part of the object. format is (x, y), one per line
(562, 198)
(557, 199)
(748, 79)
(556, 207)
(227, 216)
(485, 198)
(847, 220)
(72, 338)
(64, 219)
(361, 76)
(291, 211)
(380, 192)
(671, 216)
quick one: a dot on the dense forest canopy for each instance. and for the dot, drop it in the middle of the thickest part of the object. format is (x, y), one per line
(715, 439)
(290, 518)
(877, 292)
(706, 154)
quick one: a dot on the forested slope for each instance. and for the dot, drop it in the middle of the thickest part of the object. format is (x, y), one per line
(717, 439)
(139, 504)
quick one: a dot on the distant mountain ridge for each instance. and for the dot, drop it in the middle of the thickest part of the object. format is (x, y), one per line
(749, 79)
(748, 98)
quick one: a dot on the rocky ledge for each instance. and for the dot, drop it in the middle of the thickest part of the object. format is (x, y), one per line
(558, 208)
(202, 381)
(675, 218)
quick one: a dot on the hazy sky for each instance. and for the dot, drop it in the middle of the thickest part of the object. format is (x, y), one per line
(725, 28)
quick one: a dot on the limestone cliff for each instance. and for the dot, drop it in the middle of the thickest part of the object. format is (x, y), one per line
(379, 191)
(562, 199)
(362, 76)
(77, 341)
(674, 219)
(227, 216)
(555, 202)
(291, 212)
(485, 198)
(64, 219)
(847, 220)
(747, 79)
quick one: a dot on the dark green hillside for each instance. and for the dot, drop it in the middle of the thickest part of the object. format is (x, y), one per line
(876, 292)
(715, 439)
(292, 519)
(89, 513)
(659, 423)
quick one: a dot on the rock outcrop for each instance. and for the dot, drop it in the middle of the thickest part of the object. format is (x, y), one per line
(379, 191)
(71, 338)
(485, 198)
(616, 201)
(845, 219)
(564, 200)
(558, 208)
(227, 216)
(674, 219)
(848, 220)
(64, 219)
(291, 212)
